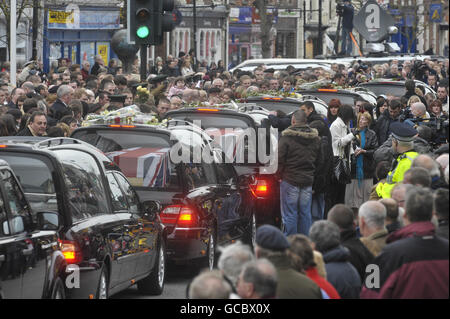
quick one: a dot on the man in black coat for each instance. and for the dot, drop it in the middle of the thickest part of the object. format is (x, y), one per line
(360, 256)
(298, 157)
(37, 125)
(61, 105)
(389, 116)
(324, 171)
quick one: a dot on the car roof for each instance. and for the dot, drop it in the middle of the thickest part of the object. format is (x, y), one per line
(46, 145)
(272, 63)
(383, 59)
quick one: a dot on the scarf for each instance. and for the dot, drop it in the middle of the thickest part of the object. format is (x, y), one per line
(360, 159)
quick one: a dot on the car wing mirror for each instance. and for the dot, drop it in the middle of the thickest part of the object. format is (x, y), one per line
(17, 224)
(151, 208)
(48, 221)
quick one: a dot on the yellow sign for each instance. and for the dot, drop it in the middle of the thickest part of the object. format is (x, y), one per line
(103, 51)
(435, 15)
(62, 17)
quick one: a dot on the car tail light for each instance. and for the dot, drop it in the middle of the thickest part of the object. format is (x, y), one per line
(183, 216)
(327, 90)
(121, 126)
(208, 110)
(3, 146)
(260, 188)
(187, 217)
(71, 251)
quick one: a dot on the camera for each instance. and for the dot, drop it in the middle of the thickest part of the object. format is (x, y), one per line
(340, 9)
(439, 129)
(418, 70)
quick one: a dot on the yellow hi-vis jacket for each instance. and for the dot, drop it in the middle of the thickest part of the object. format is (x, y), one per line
(404, 162)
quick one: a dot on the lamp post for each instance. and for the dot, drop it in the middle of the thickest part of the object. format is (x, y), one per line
(12, 48)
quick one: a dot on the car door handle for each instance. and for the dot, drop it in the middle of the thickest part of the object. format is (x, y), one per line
(2, 257)
(27, 251)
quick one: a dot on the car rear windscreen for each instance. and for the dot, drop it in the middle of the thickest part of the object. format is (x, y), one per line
(143, 156)
(327, 96)
(213, 119)
(386, 89)
(273, 105)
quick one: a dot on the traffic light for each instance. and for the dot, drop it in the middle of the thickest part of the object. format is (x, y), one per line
(140, 18)
(164, 19)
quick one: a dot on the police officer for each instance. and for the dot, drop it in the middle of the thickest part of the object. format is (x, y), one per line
(402, 144)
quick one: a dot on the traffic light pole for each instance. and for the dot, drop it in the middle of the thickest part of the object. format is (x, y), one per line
(143, 62)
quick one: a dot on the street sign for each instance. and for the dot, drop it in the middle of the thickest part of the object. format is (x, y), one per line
(372, 21)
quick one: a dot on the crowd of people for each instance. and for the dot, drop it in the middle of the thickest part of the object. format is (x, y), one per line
(366, 185)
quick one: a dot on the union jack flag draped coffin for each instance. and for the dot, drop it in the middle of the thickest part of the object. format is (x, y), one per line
(143, 166)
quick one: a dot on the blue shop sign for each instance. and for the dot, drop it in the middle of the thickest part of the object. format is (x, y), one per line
(436, 12)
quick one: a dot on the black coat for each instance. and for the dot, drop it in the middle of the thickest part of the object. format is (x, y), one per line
(299, 155)
(370, 146)
(360, 256)
(58, 109)
(25, 132)
(341, 273)
(322, 177)
(382, 126)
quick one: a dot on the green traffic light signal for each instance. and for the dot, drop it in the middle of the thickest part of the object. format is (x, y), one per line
(142, 32)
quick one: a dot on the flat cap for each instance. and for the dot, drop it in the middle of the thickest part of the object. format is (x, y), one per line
(270, 237)
(403, 132)
(118, 98)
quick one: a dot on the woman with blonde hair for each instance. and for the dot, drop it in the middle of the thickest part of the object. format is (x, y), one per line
(186, 67)
(363, 164)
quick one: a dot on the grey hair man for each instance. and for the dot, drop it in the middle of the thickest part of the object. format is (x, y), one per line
(61, 105)
(398, 193)
(418, 109)
(417, 176)
(209, 285)
(432, 167)
(232, 260)
(258, 280)
(372, 216)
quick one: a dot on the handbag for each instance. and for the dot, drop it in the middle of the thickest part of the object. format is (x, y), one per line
(341, 168)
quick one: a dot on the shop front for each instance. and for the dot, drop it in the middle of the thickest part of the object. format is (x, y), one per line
(79, 33)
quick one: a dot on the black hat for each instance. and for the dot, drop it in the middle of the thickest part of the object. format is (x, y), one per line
(120, 98)
(53, 89)
(214, 90)
(403, 131)
(271, 70)
(158, 78)
(270, 237)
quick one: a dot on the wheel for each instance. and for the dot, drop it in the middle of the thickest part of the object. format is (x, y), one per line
(103, 284)
(250, 236)
(211, 253)
(58, 291)
(153, 284)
